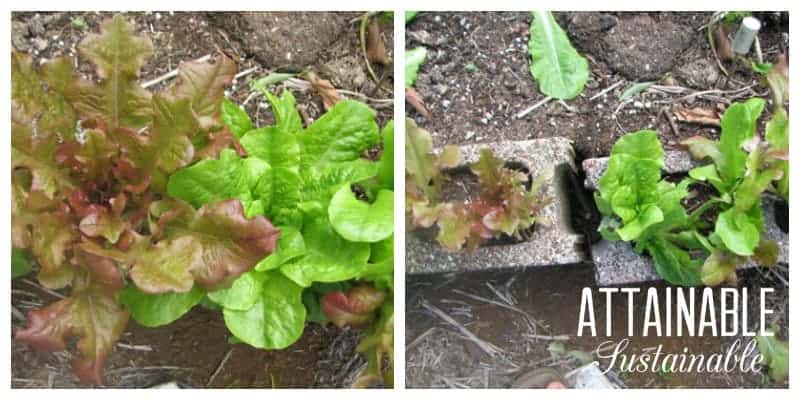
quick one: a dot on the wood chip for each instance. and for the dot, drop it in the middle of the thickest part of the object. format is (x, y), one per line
(324, 87)
(376, 51)
(697, 115)
(413, 98)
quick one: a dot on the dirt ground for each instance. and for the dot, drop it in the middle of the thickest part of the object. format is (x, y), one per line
(475, 81)
(474, 105)
(194, 350)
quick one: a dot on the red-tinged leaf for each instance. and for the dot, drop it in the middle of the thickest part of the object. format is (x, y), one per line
(45, 112)
(91, 159)
(203, 85)
(220, 141)
(354, 308)
(37, 154)
(137, 180)
(50, 243)
(92, 315)
(118, 57)
(778, 80)
(167, 266)
(103, 270)
(102, 223)
(212, 247)
(26, 88)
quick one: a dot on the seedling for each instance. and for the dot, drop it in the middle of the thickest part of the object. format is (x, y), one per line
(503, 207)
(639, 206)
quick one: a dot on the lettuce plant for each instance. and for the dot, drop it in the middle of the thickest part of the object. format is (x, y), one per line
(334, 209)
(641, 207)
(742, 167)
(503, 204)
(90, 166)
(637, 205)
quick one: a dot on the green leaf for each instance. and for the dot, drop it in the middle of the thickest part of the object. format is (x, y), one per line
(341, 134)
(559, 69)
(290, 246)
(203, 85)
(243, 294)
(737, 231)
(235, 118)
(386, 163)
(358, 221)
(410, 15)
(212, 180)
(414, 59)
(287, 119)
(277, 318)
(776, 356)
(719, 267)
(329, 257)
(673, 264)
(420, 160)
(20, 264)
(738, 126)
(634, 228)
(152, 310)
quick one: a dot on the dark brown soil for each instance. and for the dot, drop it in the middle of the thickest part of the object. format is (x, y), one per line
(473, 105)
(191, 349)
(438, 356)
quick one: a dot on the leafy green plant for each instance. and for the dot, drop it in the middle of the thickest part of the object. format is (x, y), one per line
(560, 70)
(503, 205)
(639, 206)
(160, 201)
(743, 167)
(90, 163)
(332, 206)
(776, 355)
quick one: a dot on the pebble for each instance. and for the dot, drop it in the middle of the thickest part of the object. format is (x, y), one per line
(40, 44)
(446, 103)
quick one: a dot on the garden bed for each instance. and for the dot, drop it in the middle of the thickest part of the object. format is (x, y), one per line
(477, 85)
(195, 350)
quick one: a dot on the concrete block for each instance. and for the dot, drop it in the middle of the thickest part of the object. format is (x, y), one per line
(615, 263)
(552, 243)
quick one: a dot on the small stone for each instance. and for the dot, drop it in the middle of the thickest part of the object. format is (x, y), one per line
(40, 44)
(446, 103)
